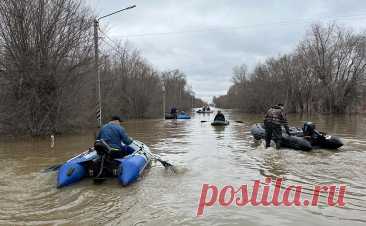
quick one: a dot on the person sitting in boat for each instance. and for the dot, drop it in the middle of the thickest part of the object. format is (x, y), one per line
(311, 134)
(273, 120)
(115, 136)
(219, 116)
(208, 108)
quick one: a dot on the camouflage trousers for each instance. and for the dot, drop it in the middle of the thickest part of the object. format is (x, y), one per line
(273, 132)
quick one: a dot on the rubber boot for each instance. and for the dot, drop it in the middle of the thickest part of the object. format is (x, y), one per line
(268, 144)
(278, 145)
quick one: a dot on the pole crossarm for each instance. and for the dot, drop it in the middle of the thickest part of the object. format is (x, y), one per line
(130, 7)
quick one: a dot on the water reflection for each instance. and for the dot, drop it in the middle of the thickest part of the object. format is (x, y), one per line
(220, 131)
(273, 165)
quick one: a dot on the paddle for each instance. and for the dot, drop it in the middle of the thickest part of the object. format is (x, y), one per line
(234, 121)
(52, 168)
(166, 164)
(57, 166)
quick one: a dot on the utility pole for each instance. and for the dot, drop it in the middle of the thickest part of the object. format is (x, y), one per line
(96, 68)
(96, 64)
(163, 88)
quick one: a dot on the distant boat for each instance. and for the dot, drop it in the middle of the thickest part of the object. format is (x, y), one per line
(183, 115)
(204, 110)
(220, 123)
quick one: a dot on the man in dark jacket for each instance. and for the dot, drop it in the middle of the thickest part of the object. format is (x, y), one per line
(274, 119)
(114, 135)
(174, 112)
(312, 135)
(219, 116)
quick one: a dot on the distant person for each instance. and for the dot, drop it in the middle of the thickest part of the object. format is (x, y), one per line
(115, 136)
(219, 116)
(274, 119)
(173, 112)
(208, 108)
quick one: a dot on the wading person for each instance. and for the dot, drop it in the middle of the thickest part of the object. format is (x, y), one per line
(115, 136)
(274, 119)
(219, 116)
(173, 112)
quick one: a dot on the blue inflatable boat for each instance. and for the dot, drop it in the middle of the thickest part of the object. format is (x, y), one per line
(92, 163)
(183, 116)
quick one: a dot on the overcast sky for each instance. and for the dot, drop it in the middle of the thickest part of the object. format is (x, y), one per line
(206, 39)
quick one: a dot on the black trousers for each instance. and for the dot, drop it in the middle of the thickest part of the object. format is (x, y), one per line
(273, 131)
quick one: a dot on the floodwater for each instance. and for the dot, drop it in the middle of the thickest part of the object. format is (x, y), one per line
(203, 154)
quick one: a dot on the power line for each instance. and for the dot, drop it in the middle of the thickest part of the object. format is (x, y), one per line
(113, 45)
(109, 38)
(223, 29)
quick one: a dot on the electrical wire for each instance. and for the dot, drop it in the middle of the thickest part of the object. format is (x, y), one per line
(224, 29)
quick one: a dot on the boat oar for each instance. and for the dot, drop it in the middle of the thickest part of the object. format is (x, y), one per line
(166, 164)
(52, 168)
(238, 121)
(57, 166)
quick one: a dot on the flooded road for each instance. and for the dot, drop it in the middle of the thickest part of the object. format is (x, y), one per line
(203, 154)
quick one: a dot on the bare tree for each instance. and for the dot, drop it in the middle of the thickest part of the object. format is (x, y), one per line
(324, 74)
(45, 47)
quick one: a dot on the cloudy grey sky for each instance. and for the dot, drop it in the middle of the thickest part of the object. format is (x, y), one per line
(206, 39)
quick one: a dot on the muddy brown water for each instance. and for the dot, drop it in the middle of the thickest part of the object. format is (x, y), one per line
(203, 154)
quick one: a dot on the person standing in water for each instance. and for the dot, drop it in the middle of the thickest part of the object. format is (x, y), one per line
(274, 119)
(174, 112)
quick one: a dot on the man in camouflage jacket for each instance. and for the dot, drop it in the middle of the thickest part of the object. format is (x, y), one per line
(274, 119)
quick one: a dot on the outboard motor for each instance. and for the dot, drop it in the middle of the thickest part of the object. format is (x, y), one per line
(308, 128)
(106, 164)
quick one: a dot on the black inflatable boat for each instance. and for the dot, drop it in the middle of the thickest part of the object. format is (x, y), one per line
(220, 123)
(170, 116)
(297, 140)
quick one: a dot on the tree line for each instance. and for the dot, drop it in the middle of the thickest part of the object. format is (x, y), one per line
(133, 87)
(324, 74)
(47, 80)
